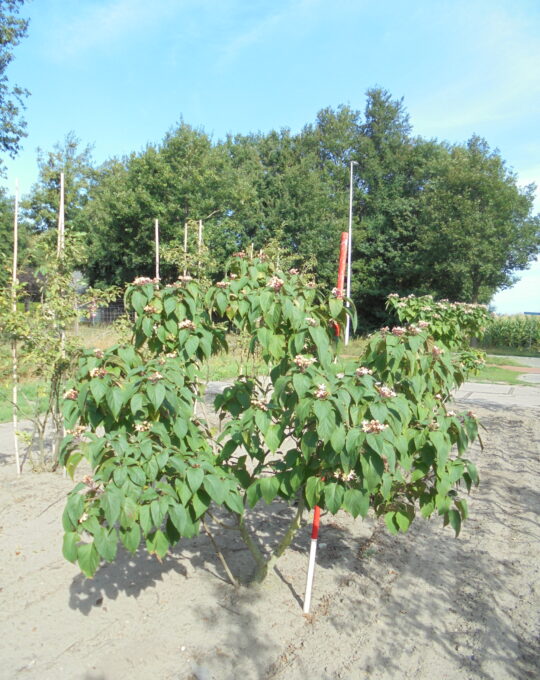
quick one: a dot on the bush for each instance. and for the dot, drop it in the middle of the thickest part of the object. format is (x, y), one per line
(317, 431)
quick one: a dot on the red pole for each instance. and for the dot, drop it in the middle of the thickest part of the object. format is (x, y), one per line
(316, 510)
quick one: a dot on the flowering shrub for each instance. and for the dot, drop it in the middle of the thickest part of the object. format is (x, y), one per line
(315, 430)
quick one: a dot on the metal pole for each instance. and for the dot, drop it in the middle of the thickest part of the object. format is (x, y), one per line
(349, 251)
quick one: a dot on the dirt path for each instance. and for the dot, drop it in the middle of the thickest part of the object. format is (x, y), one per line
(422, 605)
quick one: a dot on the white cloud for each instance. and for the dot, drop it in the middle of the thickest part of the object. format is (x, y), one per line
(296, 13)
(104, 23)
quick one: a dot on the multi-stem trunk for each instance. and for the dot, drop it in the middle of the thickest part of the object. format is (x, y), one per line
(264, 564)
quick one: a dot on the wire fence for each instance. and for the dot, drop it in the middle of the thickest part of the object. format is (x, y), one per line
(104, 315)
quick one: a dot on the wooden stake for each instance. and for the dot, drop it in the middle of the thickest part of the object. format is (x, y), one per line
(156, 230)
(185, 245)
(61, 224)
(14, 363)
(199, 249)
(60, 253)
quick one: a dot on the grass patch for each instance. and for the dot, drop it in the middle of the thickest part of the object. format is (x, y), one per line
(29, 394)
(496, 374)
(510, 351)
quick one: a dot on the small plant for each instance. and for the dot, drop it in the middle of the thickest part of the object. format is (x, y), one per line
(317, 430)
(44, 345)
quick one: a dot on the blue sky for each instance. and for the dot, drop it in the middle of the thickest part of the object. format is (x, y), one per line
(120, 73)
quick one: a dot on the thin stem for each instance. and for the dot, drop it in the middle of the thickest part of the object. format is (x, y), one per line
(285, 542)
(220, 555)
(253, 549)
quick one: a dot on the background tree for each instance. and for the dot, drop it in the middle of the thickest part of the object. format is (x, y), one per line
(477, 227)
(40, 209)
(12, 31)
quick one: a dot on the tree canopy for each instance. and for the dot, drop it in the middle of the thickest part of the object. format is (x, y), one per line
(429, 217)
(12, 31)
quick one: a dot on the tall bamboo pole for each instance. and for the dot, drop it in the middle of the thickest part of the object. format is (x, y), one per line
(60, 254)
(349, 251)
(199, 240)
(185, 246)
(61, 223)
(14, 358)
(156, 235)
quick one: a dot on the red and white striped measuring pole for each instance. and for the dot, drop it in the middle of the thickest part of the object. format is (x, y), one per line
(316, 510)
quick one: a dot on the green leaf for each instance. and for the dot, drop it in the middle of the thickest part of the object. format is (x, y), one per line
(158, 544)
(454, 519)
(273, 437)
(136, 403)
(234, 502)
(115, 400)
(88, 559)
(338, 438)
(356, 502)
(179, 517)
(180, 428)
(69, 545)
(389, 519)
(314, 487)
(326, 421)
(333, 496)
(72, 463)
(263, 421)
(98, 388)
(144, 518)
(111, 502)
(269, 488)
(216, 488)
(194, 477)
(74, 509)
(156, 513)
(301, 384)
(156, 393)
(106, 542)
(169, 305)
(336, 307)
(403, 520)
(253, 493)
(131, 537)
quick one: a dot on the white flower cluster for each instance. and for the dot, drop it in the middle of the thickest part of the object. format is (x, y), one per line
(363, 371)
(385, 391)
(303, 362)
(260, 404)
(275, 283)
(98, 372)
(143, 280)
(188, 324)
(321, 392)
(373, 426)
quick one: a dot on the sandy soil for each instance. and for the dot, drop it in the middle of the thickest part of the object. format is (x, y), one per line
(423, 605)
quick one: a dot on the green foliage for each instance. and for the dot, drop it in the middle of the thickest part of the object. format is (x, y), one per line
(12, 30)
(42, 342)
(316, 430)
(40, 208)
(513, 332)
